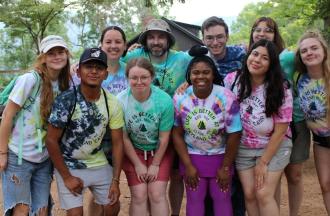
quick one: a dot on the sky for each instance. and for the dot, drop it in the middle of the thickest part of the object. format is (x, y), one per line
(196, 11)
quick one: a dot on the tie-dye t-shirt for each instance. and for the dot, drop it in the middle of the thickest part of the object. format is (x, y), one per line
(257, 128)
(312, 98)
(206, 121)
(232, 60)
(170, 73)
(20, 94)
(143, 121)
(81, 143)
(116, 83)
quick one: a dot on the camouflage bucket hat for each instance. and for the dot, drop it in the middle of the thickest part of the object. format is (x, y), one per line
(157, 25)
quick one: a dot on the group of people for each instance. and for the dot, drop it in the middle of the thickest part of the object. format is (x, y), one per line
(225, 122)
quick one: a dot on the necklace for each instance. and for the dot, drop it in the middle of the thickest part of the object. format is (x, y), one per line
(163, 72)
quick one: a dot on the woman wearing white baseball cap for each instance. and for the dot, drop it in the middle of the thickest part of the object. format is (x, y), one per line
(24, 161)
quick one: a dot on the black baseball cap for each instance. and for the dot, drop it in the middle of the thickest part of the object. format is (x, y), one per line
(94, 54)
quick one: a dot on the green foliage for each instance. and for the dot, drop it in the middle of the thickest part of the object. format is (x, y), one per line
(26, 22)
(293, 18)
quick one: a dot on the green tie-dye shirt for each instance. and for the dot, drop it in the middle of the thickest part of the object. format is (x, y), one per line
(143, 121)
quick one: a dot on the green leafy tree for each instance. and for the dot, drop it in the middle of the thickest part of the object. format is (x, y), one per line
(26, 22)
(293, 18)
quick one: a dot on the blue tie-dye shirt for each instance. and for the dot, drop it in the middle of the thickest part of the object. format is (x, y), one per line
(116, 83)
(232, 60)
(312, 98)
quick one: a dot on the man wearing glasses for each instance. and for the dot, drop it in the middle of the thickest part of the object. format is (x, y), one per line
(215, 37)
(170, 65)
(228, 59)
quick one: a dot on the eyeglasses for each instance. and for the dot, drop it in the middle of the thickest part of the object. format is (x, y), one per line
(141, 78)
(97, 67)
(266, 30)
(218, 38)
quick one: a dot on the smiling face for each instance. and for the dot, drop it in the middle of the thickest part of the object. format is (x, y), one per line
(311, 52)
(263, 31)
(139, 80)
(56, 59)
(113, 44)
(215, 38)
(157, 43)
(201, 77)
(258, 62)
(92, 73)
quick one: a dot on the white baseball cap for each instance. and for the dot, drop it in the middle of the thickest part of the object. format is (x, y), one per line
(52, 41)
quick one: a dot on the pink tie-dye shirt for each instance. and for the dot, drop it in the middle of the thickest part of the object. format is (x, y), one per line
(257, 128)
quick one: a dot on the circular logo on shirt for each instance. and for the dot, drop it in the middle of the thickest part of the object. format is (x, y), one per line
(201, 123)
(252, 109)
(313, 101)
(142, 125)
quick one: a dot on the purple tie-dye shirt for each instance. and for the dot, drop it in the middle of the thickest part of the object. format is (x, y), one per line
(206, 121)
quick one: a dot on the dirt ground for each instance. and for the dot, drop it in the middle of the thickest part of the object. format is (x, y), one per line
(312, 202)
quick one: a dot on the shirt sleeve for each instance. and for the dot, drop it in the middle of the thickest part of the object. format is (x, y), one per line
(285, 111)
(233, 118)
(167, 117)
(177, 115)
(116, 117)
(229, 80)
(23, 88)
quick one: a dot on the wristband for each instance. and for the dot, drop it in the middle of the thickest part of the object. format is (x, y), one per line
(114, 179)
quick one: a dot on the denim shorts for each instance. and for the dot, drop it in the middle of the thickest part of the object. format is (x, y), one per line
(28, 184)
(247, 158)
(97, 179)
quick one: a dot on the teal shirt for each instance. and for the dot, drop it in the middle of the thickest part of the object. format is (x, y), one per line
(170, 73)
(287, 65)
(143, 121)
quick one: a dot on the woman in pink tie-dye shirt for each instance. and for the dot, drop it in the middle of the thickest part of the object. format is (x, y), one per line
(266, 112)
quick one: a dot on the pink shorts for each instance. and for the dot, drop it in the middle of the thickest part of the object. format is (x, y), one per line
(164, 167)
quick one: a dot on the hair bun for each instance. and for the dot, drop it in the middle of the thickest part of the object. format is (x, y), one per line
(198, 50)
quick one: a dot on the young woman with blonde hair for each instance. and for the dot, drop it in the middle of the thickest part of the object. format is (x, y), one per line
(313, 85)
(24, 161)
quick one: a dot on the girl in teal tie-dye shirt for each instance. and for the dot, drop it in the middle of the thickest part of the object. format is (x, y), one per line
(313, 62)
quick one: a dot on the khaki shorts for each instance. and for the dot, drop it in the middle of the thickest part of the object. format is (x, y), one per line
(98, 180)
(301, 143)
(247, 158)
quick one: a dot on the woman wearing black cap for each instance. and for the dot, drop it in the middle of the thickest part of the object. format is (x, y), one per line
(206, 135)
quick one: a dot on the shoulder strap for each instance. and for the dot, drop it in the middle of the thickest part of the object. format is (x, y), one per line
(296, 78)
(71, 113)
(106, 104)
(4, 95)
